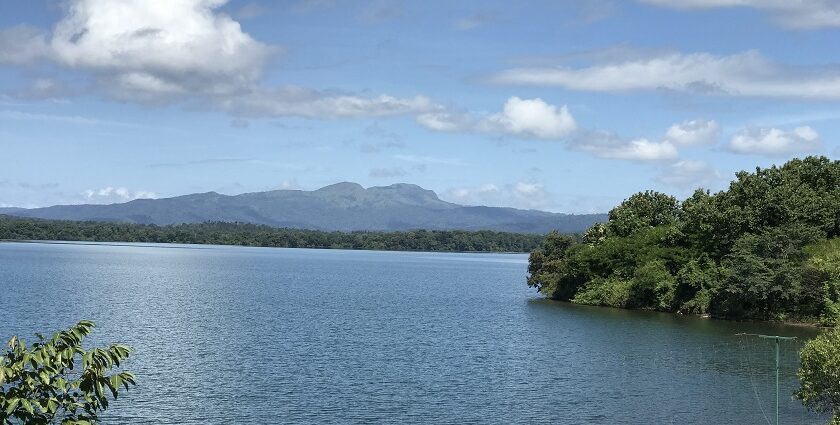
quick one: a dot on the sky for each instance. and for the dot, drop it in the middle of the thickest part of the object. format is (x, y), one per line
(563, 105)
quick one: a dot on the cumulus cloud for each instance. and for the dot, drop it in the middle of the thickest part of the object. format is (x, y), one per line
(689, 174)
(138, 48)
(608, 145)
(529, 118)
(143, 51)
(109, 195)
(694, 132)
(800, 14)
(774, 141)
(745, 74)
(537, 119)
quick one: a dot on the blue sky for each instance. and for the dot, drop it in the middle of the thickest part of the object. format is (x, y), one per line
(568, 106)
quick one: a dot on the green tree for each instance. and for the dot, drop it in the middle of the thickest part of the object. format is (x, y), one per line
(653, 286)
(763, 279)
(553, 248)
(43, 383)
(595, 234)
(821, 282)
(696, 283)
(642, 210)
(259, 235)
(819, 374)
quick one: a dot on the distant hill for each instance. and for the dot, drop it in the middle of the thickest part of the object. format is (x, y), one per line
(342, 207)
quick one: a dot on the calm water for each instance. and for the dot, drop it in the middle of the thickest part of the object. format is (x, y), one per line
(256, 335)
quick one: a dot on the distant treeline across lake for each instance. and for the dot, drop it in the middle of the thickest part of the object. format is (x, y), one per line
(219, 233)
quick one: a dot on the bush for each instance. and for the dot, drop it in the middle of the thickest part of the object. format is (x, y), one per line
(819, 374)
(612, 292)
(42, 383)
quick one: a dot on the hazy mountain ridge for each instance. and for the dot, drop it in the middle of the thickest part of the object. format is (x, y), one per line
(342, 206)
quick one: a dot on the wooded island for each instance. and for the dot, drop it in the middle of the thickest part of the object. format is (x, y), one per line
(767, 248)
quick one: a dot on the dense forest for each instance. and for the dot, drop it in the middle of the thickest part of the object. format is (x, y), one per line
(767, 248)
(218, 233)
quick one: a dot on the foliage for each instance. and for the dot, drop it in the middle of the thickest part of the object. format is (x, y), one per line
(821, 280)
(696, 284)
(258, 235)
(653, 285)
(595, 234)
(42, 383)
(763, 274)
(611, 292)
(819, 374)
(640, 211)
(766, 248)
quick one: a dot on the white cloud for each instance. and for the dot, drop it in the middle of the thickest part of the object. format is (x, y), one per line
(689, 174)
(745, 74)
(607, 145)
(773, 141)
(111, 194)
(801, 14)
(446, 121)
(426, 160)
(387, 173)
(303, 102)
(149, 51)
(288, 185)
(529, 118)
(517, 195)
(694, 132)
(534, 118)
(64, 119)
(529, 192)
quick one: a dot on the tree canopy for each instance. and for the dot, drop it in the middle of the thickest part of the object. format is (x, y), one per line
(765, 248)
(222, 233)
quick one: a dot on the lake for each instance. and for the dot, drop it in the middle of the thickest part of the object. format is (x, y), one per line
(265, 335)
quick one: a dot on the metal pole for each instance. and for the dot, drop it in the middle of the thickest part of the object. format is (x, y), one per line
(777, 380)
(776, 338)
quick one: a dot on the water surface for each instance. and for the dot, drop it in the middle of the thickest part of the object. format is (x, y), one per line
(263, 335)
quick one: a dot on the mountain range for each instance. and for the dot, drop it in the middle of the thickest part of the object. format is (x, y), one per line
(338, 207)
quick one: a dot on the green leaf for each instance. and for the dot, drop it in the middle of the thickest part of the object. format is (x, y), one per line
(27, 405)
(12, 405)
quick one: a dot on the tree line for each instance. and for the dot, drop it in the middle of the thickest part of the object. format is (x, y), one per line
(766, 248)
(223, 233)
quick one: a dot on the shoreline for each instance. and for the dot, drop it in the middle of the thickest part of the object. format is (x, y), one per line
(199, 245)
(707, 316)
